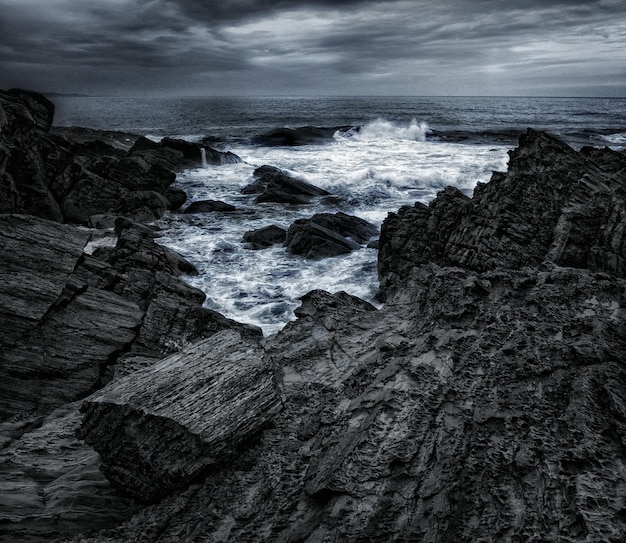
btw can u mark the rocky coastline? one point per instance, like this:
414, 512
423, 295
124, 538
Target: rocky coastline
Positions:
484, 401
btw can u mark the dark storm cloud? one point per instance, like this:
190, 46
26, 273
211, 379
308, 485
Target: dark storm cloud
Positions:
326, 46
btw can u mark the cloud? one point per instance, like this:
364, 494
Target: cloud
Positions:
322, 46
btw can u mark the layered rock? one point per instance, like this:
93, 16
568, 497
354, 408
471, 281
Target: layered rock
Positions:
275, 185
328, 234
159, 428
554, 203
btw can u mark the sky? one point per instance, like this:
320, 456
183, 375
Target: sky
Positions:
315, 47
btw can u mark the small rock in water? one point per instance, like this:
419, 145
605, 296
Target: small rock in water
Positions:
209, 206
264, 237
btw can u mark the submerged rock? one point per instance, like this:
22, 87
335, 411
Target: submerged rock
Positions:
328, 234
275, 185
158, 429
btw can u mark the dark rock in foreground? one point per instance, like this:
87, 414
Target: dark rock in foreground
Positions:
328, 234
263, 238
274, 185
158, 429
209, 206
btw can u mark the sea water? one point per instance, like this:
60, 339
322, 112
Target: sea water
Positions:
400, 150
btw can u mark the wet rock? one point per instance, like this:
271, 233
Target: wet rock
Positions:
327, 234
554, 204
160, 428
304, 135
275, 185
209, 206
263, 238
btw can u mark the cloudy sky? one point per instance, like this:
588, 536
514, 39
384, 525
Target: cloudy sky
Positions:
315, 47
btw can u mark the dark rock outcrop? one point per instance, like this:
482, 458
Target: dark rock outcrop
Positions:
159, 428
553, 204
304, 135
275, 185
74, 175
262, 238
209, 206
328, 234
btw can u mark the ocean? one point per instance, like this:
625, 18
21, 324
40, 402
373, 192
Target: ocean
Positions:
391, 151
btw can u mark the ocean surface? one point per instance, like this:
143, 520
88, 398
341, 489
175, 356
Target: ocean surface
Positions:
391, 151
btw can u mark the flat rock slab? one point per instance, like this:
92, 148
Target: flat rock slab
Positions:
160, 428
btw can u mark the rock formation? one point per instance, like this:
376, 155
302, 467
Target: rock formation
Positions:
484, 401
209, 206
265, 237
160, 428
328, 234
275, 185
304, 135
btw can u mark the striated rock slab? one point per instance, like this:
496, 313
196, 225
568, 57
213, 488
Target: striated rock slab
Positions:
58, 334
160, 428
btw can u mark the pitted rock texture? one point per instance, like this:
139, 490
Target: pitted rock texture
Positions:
159, 428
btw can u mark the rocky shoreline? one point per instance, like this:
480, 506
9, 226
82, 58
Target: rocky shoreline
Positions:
485, 400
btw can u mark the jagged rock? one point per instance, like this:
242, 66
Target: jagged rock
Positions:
304, 135
275, 185
263, 238
58, 334
209, 206
160, 428
553, 204
327, 234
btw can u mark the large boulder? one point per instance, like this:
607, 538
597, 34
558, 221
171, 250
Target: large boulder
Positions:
160, 428
328, 234
275, 185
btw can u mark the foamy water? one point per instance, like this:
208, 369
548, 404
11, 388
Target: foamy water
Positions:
369, 173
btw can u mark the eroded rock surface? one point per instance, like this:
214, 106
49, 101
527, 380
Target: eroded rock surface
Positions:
159, 428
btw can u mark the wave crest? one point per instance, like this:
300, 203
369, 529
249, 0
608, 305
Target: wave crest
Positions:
384, 129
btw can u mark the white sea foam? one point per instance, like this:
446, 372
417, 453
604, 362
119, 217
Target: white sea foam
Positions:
368, 177
383, 129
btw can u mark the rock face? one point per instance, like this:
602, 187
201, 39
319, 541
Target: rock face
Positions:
274, 185
554, 204
328, 234
159, 428
73, 175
